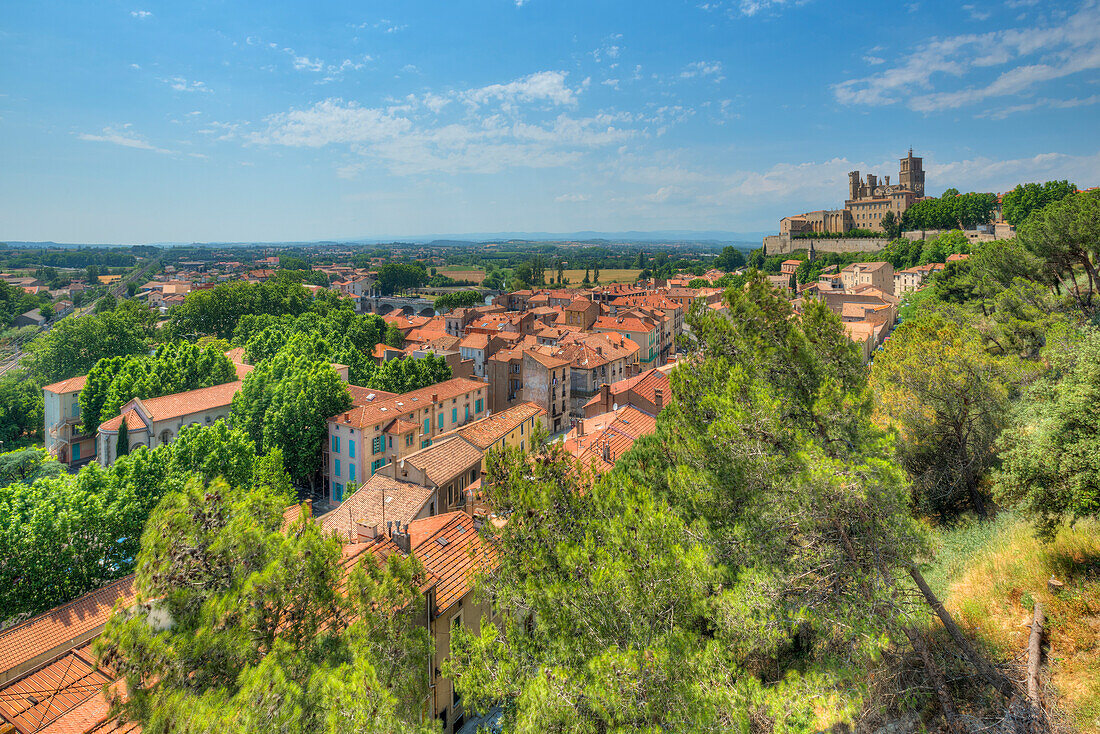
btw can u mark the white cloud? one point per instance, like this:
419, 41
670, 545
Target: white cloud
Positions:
410, 137
122, 136
571, 198
180, 84
548, 86
874, 60
1043, 103
977, 13
331, 121
141, 14
307, 64
703, 69
1040, 54
135, 67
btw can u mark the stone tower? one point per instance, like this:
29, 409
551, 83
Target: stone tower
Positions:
912, 174
853, 184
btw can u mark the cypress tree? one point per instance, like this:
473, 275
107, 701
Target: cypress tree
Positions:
123, 443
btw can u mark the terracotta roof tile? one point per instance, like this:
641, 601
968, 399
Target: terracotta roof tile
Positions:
487, 431
363, 415
444, 460
402, 501
181, 404
57, 628
453, 553
73, 384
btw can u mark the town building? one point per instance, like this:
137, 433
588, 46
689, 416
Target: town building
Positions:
67, 439
381, 428
868, 202
877, 274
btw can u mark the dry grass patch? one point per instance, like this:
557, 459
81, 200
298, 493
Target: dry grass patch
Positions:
994, 596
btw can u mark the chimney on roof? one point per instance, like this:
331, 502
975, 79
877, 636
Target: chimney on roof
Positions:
435, 397
607, 451
347, 417
580, 427
659, 398
605, 395
366, 532
389, 528
599, 350
402, 539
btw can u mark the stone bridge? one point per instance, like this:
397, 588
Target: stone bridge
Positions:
383, 305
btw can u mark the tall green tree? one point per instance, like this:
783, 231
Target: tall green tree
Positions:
74, 345
122, 442
1051, 451
1065, 237
264, 637
1018, 204
948, 398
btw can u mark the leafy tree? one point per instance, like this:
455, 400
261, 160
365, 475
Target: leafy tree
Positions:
74, 345
217, 311
400, 277
291, 262
524, 275
457, 299
729, 259
107, 303
410, 373
28, 465
263, 637
1051, 452
1065, 237
890, 225
65, 535
21, 408
285, 403
703, 581
394, 338
1018, 204
948, 398
172, 369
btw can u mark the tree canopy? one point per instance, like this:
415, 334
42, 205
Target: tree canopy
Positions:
264, 637
1018, 204
1051, 466
172, 368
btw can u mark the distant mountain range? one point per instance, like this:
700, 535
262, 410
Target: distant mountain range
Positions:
661, 236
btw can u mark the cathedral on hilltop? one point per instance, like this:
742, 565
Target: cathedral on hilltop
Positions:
868, 201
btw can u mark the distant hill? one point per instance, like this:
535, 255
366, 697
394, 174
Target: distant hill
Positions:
746, 239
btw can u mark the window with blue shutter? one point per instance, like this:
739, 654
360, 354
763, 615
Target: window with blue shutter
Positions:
467, 411
337, 467
478, 406
454, 416
351, 472
427, 426
441, 421
351, 449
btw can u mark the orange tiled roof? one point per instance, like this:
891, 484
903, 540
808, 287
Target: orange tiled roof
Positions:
453, 553
402, 501
442, 461
487, 431
181, 404
58, 627
73, 384
622, 323
362, 415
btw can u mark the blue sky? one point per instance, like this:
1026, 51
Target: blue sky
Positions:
143, 121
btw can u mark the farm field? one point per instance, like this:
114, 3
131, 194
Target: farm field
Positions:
474, 275
611, 275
